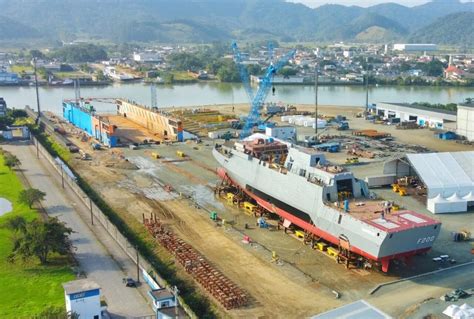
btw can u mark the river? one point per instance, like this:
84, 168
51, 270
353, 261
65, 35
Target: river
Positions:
223, 93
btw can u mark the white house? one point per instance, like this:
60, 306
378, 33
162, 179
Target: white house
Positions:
83, 298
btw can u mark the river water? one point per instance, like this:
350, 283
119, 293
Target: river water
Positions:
223, 93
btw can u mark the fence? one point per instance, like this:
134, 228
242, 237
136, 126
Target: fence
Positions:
96, 215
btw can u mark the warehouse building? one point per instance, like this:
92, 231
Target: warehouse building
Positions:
423, 116
465, 121
448, 178
414, 47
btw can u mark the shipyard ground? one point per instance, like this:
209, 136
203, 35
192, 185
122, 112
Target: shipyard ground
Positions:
301, 284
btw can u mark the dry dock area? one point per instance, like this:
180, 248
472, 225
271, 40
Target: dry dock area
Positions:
176, 183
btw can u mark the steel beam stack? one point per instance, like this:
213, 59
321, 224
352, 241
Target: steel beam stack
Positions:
226, 292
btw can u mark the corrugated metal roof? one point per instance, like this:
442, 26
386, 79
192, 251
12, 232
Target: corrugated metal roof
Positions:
355, 310
445, 173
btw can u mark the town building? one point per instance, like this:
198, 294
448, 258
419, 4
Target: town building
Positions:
453, 73
3, 107
8, 78
83, 298
422, 115
465, 121
413, 47
147, 57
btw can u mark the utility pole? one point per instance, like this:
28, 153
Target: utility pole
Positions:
37, 93
367, 86
176, 301
316, 78
138, 264
62, 175
154, 101
92, 215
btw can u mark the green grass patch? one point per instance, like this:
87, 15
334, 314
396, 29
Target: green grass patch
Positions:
18, 68
65, 75
21, 121
60, 150
26, 288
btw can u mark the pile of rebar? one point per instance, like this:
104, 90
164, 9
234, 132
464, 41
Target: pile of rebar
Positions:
222, 288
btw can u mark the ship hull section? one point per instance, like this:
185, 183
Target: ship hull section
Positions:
303, 205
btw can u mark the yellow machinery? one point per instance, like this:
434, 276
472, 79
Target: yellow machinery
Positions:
352, 160
299, 234
396, 188
155, 155
249, 208
402, 191
332, 252
321, 246
180, 154
230, 198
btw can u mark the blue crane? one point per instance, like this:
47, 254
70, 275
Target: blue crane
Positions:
257, 100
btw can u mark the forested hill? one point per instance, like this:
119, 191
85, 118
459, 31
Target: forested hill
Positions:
456, 28
209, 20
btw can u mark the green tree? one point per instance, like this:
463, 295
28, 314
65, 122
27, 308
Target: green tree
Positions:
287, 71
81, 53
36, 54
187, 61
11, 160
30, 196
40, 238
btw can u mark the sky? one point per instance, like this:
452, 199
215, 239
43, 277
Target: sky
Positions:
360, 3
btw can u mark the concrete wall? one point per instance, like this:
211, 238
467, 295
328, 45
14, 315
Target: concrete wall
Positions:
465, 123
157, 123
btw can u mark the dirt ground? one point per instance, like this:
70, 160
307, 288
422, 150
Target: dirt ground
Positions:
303, 285
265, 283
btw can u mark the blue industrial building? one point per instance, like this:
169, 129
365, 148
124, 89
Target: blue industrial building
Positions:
84, 118
7, 78
79, 116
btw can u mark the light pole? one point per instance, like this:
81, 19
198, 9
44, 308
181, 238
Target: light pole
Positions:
316, 78
37, 93
367, 86
138, 264
62, 171
92, 215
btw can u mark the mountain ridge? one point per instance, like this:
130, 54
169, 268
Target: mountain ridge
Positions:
216, 20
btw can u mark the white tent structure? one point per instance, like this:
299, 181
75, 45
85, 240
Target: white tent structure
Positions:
459, 312
449, 178
438, 204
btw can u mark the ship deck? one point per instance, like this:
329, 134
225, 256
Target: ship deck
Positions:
370, 211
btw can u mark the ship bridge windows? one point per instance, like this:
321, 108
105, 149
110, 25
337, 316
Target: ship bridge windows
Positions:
344, 185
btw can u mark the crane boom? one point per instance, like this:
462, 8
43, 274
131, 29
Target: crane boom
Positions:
242, 70
253, 117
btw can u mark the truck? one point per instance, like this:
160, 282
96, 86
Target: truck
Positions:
343, 126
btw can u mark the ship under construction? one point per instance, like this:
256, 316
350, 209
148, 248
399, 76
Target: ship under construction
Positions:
304, 189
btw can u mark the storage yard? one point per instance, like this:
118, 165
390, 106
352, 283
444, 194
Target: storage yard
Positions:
169, 188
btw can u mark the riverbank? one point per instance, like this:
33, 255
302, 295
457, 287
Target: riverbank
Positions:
210, 93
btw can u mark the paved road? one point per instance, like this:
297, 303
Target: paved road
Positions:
395, 299
93, 256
